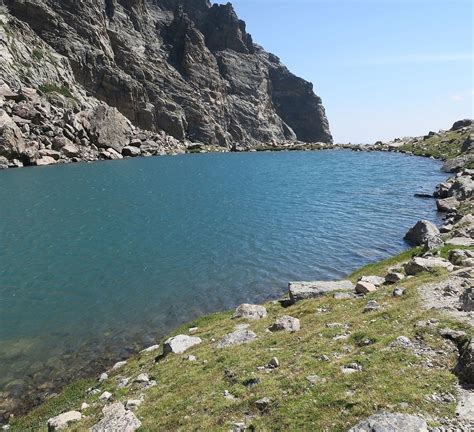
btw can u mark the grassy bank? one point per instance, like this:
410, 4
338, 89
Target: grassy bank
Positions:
189, 395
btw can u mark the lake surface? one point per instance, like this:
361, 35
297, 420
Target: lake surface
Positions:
99, 259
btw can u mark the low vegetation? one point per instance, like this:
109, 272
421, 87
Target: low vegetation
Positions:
189, 395
55, 88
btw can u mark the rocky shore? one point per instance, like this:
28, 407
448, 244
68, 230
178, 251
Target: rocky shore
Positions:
391, 347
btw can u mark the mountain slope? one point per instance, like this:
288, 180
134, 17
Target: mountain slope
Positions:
187, 68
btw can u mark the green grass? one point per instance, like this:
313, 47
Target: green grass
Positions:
445, 146
189, 395
38, 54
54, 88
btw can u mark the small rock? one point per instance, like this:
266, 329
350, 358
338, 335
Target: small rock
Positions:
191, 358
343, 295
133, 404
273, 363
398, 292
365, 288
286, 323
371, 306
105, 396
394, 277
263, 404
179, 344
193, 330
351, 368
119, 365
250, 311
84, 406
123, 382
103, 377
131, 151
62, 421
228, 395
402, 342
467, 300
374, 280
142, 379
314, 379
238, 337
150, 349
238, 427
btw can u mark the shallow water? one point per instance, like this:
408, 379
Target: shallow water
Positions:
99, 258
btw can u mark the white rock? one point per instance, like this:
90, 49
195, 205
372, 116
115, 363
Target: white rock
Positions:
150, 349
193, 330
142, 379
191, 358
179, 344
119, 365
250, 311
364, 287
105, 396
374, 280
133, 404
238, 337
417, 265
306, 290
62, 421
84, 406
286, 323
117, 419
103, 377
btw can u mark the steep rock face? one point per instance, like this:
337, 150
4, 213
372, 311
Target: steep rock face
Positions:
185, 67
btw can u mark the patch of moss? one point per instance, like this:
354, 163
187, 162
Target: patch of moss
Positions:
38, 54
52, 87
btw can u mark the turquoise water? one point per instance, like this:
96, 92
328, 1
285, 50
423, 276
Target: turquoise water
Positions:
97, 260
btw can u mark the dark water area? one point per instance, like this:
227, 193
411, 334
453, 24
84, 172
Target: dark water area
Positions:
97, 260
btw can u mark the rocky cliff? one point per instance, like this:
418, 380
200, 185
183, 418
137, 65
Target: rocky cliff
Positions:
169, 72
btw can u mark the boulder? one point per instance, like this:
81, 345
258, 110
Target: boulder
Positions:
457, 164
109, 128
3, 162
250, 311
418, 265
237, 337
422, 232
461, 124
398, 292
394, 277
286, 323
465, 366
460, 241
263, 404
70, 150
467, 300
372, 306
467, 145
391, 422
131, 151
374, 280
461, 257
441, 191
117, 418
62, 421
447, 204
45, 160
179, 344
462, 188
12, 143
306, 290
365, 288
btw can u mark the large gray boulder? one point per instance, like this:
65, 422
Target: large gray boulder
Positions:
285, 323
306, 290
62, 421
418, 265
179, 344
12, 143
391, 422
250, 311
421, 233
465, 366
461, 124
462, 188
238, 337
117, 419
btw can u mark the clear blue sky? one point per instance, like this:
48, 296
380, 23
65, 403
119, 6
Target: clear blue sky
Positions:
384, 68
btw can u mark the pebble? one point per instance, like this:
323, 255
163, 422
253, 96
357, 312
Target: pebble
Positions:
103, 377
105, 396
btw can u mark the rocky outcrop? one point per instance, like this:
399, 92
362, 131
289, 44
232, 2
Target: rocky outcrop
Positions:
423, 233
305, 290
186, 69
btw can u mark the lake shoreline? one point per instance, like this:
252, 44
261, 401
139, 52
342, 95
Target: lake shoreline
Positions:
97, 370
